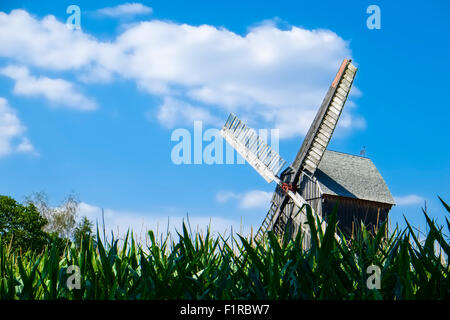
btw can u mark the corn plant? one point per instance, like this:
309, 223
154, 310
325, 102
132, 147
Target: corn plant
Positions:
200, 266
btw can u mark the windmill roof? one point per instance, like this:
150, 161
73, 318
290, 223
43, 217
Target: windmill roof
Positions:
346, 175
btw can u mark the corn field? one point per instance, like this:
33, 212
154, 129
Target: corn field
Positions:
200, 266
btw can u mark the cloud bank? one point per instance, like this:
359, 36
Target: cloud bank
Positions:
270, 77
12, 131
58, 91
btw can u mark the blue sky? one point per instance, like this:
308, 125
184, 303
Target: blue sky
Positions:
92, 111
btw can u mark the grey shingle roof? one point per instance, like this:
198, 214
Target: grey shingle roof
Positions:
351, 176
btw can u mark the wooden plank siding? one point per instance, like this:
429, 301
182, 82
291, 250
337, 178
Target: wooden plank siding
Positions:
291, 220
309, 189
351, 212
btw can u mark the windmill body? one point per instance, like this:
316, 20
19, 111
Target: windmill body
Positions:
317, 177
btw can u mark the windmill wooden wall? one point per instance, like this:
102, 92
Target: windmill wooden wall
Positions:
309, 189
351, 212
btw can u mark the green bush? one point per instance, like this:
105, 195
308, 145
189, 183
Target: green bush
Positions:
21, 226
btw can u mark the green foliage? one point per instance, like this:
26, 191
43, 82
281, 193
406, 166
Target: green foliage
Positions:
82, 229
208, 267
21, 226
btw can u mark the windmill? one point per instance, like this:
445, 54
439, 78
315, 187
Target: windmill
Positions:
307, 181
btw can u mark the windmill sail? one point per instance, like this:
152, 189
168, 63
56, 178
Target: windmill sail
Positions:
312, 149
322, 128
258, 154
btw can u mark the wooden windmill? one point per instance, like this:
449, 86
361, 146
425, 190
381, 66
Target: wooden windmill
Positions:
317, 177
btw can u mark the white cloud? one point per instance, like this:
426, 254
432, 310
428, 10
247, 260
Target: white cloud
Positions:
12, 131
58, 91
140, 222
96, 74
248, 200
127, 9
175, 112
348, 121
25, 146
256, 199
275, 78
46, 43
408, 200
225, 196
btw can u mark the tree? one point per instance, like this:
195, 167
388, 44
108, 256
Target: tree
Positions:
21, 226
61, 219
83, 228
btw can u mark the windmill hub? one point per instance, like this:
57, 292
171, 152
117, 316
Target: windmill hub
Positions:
287, 187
